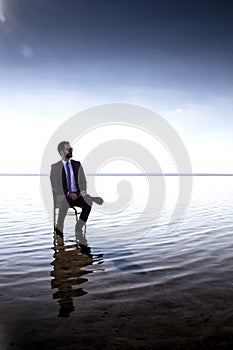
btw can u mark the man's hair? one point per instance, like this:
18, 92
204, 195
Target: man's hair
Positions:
61, 146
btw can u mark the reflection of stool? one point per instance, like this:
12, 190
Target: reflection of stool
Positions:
56, 211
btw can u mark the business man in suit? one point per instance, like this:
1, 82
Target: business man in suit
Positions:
69, 186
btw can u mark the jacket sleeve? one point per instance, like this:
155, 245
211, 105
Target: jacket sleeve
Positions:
82, 179
56, 179
53, 178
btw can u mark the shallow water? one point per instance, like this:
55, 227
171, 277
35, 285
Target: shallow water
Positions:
183, 274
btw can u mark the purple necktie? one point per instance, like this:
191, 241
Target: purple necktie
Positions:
68, 176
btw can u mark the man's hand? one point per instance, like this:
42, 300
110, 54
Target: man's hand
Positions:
73, 196
83, 193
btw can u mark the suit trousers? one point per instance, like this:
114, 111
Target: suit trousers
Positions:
83, 202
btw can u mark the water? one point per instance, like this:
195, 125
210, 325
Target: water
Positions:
157, 289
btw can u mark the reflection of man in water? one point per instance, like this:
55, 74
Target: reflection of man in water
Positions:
68, 273
69, 187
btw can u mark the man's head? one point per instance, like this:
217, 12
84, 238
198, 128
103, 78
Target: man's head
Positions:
65, 150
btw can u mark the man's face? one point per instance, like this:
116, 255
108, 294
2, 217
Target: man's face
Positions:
67, 151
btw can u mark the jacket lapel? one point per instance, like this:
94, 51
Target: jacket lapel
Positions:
75, 171
64, 181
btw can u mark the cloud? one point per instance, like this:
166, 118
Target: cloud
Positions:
2, 17
26, 51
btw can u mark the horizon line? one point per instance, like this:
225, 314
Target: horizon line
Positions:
127, 174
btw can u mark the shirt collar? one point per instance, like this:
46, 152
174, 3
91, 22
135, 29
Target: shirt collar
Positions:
64, 161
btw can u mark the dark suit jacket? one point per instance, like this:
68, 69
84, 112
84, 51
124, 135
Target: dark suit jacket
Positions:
59, 182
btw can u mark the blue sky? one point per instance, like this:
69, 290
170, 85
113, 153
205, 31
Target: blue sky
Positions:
59, 57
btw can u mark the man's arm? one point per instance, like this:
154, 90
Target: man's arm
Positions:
56, 179
82, 181
53, 184
52, 178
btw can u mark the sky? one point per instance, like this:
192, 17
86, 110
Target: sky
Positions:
58, 58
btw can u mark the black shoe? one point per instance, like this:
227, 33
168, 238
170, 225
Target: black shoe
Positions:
97, 200
85, 250
58, 232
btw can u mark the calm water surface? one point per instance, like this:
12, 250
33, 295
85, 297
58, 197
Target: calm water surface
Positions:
41, 278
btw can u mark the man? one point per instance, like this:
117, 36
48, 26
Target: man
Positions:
69, 187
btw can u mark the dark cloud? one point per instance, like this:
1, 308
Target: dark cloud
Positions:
170, 42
